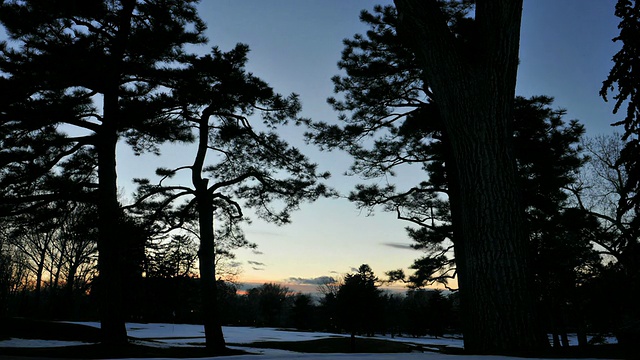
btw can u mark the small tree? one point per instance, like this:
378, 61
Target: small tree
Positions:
358, 302
269, 302
302, 312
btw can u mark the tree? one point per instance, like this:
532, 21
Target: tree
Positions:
358, 301
173, 257
33, 235
394, 90
302, 312
414, 309
547, 151
564, 260
64, 59
603, 195
235, 161
473, 82
59, 241
624, 74
623, 78
269, 302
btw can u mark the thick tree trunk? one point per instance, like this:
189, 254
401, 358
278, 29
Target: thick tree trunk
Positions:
474, 87
456, 220
111, 246
110, 243
498, 303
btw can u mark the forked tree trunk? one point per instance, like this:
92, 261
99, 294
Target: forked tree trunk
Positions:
474, 87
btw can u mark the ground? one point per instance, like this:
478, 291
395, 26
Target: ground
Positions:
43, 339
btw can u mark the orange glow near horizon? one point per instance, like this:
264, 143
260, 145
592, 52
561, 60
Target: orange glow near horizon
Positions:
314, 288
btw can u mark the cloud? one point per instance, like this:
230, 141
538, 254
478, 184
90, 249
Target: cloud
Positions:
398, 245
235, 264
256, 263
312, 281
333, 272
257, 269
257, 252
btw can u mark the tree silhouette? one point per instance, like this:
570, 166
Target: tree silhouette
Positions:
268, 302
65, 59
234, 161
358, 301
599, 194
623, 78
624, 74
473, 82
390, 94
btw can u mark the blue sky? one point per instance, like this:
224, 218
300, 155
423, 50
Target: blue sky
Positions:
566, 52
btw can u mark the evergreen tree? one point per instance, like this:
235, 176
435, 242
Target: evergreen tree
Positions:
358, 301
473, 82
302, 312
623, 78
238, 160
99, 68
414, 308
387, 96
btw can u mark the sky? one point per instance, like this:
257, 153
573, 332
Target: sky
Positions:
566, 52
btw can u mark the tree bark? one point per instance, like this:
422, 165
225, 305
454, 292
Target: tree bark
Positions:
110, 243
206, 255
456, 220
214, 337
474, 88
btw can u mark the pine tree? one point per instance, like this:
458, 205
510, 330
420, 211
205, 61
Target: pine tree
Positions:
358, 301
390, 92
624, 73
99, 68
240, 160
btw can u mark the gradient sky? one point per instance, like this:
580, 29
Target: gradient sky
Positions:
566, 52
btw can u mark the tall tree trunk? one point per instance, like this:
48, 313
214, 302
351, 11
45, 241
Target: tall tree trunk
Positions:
206, 255
474, 87
498, 305
110, 243
456, 221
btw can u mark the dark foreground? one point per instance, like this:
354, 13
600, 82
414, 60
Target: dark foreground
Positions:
30, 329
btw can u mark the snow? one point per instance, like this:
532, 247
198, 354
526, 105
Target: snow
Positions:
188, 335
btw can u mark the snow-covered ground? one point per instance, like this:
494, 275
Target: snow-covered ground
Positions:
187, 335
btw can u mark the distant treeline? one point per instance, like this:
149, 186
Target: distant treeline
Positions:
354, 305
